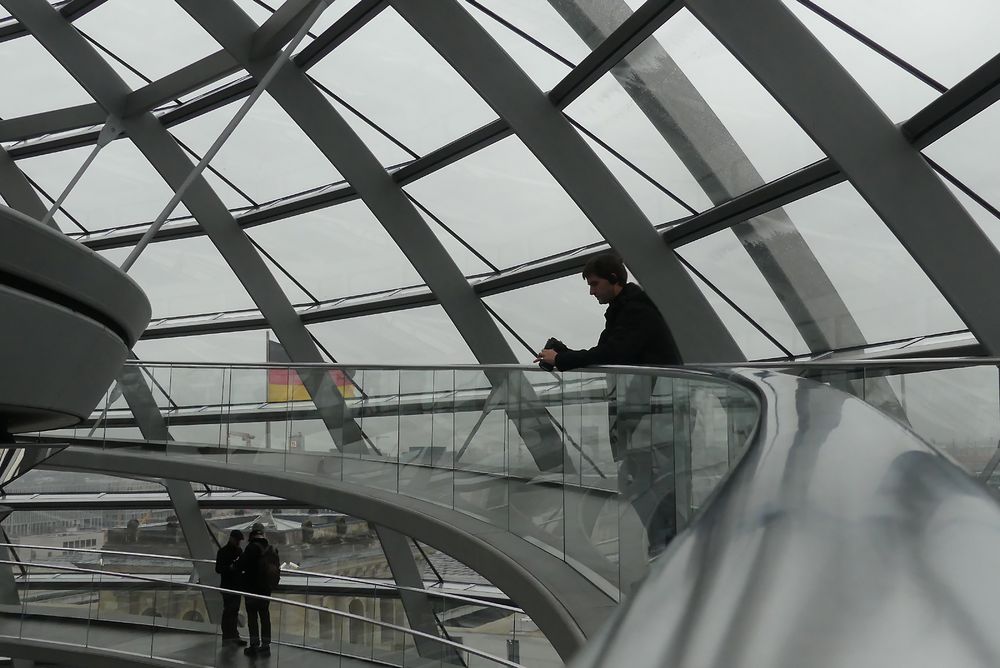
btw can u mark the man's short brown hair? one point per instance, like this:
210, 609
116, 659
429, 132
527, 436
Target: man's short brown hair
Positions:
608, 266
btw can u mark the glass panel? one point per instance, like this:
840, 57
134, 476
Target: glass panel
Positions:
898, 92
155, 37
52, 482
875, 276
40, 82
391, 75
337, 251
969, 153
416, 336
683, 62
946, 41
723, 260
268, 156
119, 188
562, 308
872, 272
541, 22
250, 346
174, 275
956, 410
658, 202
752, 342
387, 152
505, 204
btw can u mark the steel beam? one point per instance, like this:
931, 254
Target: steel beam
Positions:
49, 122
688, 124
880, 163
456, 35
334, 137
162, 151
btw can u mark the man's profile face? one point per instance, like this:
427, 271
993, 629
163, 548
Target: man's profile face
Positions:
601, 288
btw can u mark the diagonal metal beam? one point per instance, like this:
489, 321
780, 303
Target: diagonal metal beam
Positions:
690, 126
189, 78
321, 122
48, 122
882, 165
456, 35
162, 151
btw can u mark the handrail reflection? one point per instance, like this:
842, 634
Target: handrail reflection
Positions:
286, 571
283, 601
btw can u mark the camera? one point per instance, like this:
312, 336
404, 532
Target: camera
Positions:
556, 345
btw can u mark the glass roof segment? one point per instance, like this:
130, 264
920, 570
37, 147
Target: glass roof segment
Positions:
119, 188
770, 138
562, 308
970, 152
656, 201
885, 290
338, 251
417, 336
227, 347
392, 76
387, 149
536, 21
268, 156
505, 204
896, 91
754, 344
184, 276
33, 81
945, 40
607, 111
470, 260
723, 260
155, 36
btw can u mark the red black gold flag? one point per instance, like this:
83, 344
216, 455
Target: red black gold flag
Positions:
286, 385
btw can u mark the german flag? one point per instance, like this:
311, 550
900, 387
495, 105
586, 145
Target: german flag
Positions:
285, 384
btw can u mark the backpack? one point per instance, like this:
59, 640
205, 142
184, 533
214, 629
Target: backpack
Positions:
270, 567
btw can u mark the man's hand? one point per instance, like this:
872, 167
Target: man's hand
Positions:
547, 356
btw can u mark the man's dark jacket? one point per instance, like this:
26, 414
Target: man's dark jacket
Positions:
249, 566
635, 333
225, 559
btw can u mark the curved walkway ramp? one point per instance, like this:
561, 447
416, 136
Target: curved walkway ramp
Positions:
447, 461
840, 539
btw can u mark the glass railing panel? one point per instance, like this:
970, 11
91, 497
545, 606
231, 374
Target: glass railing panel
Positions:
480, 424
46, 601
957, 410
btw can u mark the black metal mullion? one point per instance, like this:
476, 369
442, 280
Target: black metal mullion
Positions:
510, 329
457, 238
52, 201
520, 33
954, 180
874, 46
282, 269
736, 308
367, 121
635, 168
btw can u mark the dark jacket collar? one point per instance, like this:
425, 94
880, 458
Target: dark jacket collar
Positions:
628, 293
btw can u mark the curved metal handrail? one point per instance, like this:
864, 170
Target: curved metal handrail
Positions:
283, 601
286, 571
840, 539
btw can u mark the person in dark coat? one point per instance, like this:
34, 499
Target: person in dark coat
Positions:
253, 582
225, 566
635, 333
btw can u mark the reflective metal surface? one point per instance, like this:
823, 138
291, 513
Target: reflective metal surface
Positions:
840, 539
